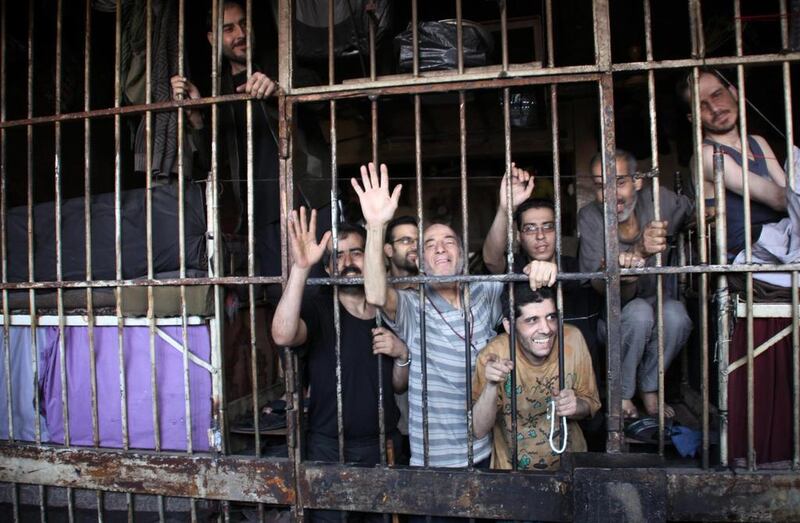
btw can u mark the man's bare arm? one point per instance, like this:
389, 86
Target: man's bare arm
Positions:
494, 246
378, 207
762, 190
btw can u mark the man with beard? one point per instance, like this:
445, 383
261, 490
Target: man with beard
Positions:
233, 141
719, 117
534, 219
445, 333
535, 321
640, 238
310, 322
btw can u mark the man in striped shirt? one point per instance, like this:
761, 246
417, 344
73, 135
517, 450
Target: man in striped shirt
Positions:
455, 316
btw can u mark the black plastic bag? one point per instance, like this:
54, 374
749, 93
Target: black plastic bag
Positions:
438, 46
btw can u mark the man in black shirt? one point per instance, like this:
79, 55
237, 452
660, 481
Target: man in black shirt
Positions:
311, 323
233, 142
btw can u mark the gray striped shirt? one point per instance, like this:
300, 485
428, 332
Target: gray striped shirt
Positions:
446, 369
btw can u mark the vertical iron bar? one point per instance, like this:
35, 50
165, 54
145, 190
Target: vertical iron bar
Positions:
698, 50
504, 33
421, 260
559, 245
459, 37
30, 237
748, 253
651, 96
375, 161
512, 335
549, 25
4, 238
723, 311
331, 44
790, 172
466, 302
415, 39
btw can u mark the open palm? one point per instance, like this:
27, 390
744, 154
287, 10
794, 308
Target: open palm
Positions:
377, 205
303, 239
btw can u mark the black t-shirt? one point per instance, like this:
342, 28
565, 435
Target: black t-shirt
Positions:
359, 373
266, 201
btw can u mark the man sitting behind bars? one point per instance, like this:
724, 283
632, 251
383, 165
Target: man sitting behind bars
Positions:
640, 238
719, 117
535, 324
297, 322
445, 333
534, 219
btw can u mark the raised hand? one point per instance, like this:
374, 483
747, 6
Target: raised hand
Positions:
303, 239
521, 187
377, 205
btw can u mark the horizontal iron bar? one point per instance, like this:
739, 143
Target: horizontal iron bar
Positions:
759, 59
245, 280
691, 494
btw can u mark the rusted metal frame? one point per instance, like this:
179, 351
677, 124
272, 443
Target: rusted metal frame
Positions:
602, 35
216, 265
4, 248
790, 172
548, 10
415, 39
182, 254
375, 161
748, 248
723, 310
87, 217
459, 37
423, 345
466, 294
698, 52
651, 96
503, 35
294, 393
31, 266
331, 44
512, 335
62, 346
559, 246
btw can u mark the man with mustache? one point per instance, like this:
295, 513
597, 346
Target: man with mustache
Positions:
719, 117
446, 335
535, 323
640, 238
310, 323
233, 141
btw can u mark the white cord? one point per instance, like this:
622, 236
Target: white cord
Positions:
553, 426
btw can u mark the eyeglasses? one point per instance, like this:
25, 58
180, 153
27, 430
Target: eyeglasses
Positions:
405, 240
544, 228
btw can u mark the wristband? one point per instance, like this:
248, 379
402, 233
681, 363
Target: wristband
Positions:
406, 363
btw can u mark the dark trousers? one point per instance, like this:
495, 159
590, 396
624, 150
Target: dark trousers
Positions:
363, 452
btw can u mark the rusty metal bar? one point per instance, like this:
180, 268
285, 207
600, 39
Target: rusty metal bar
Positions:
503, 4
331, 44
651, 95
466, 298
415, 39
459, 37
723, 310
335, 271
559, 247
548, 12
3, 231
512, 335
748, 253
421, 289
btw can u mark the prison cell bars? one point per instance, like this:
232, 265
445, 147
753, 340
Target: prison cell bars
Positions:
792, 185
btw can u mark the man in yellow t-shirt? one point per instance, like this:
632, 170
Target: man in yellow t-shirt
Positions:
536, 328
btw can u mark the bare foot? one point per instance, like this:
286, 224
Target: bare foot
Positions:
650, 400
629, 409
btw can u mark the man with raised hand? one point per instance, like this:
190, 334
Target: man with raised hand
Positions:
298, 322
445, 333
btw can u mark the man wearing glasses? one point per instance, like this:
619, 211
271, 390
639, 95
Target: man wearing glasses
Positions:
640, 238
534, 219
